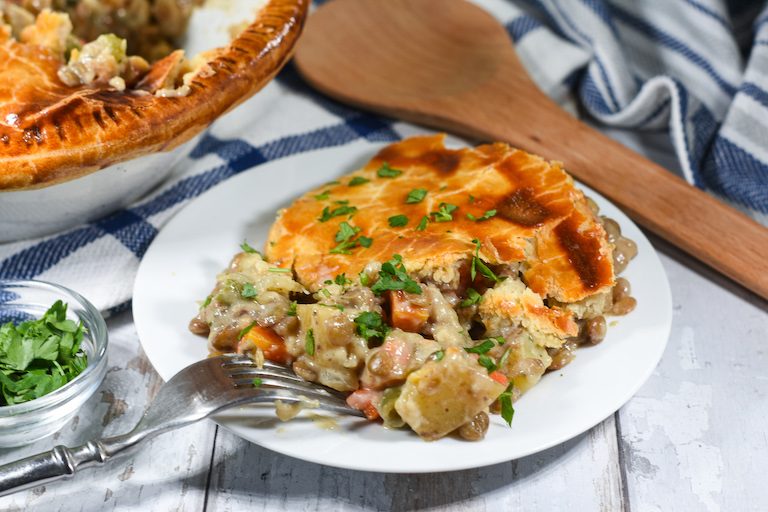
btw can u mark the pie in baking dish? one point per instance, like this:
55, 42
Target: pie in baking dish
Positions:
74, 98
434, 285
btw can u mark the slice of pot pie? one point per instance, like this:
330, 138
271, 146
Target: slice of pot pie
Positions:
434, 285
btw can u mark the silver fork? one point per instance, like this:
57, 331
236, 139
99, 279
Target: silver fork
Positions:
196, 392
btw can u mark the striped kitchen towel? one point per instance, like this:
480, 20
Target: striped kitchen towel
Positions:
697, 69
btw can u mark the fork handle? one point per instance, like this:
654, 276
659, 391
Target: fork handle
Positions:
61, 462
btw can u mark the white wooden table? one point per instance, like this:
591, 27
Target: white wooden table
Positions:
693, 438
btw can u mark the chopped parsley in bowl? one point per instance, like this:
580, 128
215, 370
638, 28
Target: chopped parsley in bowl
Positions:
52, 358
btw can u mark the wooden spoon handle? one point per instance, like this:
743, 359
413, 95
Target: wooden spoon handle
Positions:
655, 198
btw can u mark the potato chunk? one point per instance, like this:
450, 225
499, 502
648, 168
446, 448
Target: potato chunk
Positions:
526, 362
444, 395
337, 353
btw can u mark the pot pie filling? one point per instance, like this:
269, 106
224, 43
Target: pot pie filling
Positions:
88, 41
434, 285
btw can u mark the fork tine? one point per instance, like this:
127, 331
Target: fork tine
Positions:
276, 389
243, 369
243, 372
276, 380
279, 382
271, 390
238, 361
325, 404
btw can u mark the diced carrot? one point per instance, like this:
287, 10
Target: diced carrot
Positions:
363, 399
499, 377
371, 412
406, 315
268, 341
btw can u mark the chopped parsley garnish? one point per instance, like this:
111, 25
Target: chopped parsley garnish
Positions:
482, 348
247, 329
439, 354
278, 269
504, 357
486, 360
324, 292
363, 278
328, 214
309, 345
479, 266
387, 172
444, 213
488, 215
325, 195
483, 269
371, 325
477, 255
335, 306
248, 291
423, 224
333, 183
344, 237
394, 277
471, 198
416, 195
40, 356
505, 399
398, 221
344, 201
256, 382
473, 297
247, 248
358, 180
292, 309
345, 232
207, 301
342, 279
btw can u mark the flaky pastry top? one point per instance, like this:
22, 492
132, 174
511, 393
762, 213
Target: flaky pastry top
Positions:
520, 210
51, 133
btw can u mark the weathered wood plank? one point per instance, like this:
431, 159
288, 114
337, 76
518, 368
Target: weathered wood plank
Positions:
695, 433
581, 472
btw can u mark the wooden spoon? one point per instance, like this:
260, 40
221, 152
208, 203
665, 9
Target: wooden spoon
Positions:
451, 66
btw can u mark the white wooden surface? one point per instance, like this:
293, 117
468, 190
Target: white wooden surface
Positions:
693, 438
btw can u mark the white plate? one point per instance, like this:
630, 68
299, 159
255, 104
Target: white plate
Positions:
178, 270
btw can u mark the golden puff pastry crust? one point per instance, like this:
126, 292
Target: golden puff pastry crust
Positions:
51, 133
509, 208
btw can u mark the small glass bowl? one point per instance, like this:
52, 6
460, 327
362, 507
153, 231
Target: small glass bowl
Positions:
27, 422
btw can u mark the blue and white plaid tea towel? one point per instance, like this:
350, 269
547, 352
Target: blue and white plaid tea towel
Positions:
695, 69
